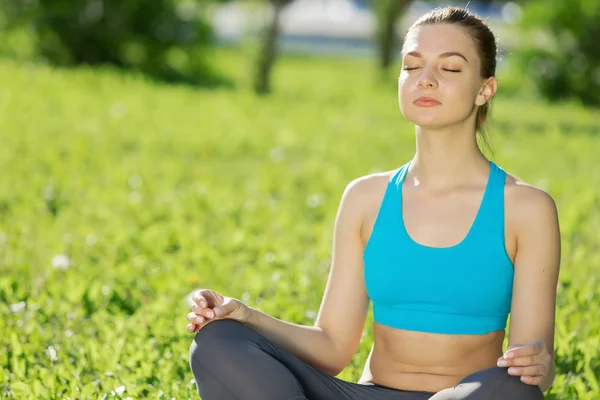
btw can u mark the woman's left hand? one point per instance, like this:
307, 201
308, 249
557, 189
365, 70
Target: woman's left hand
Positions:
531, 362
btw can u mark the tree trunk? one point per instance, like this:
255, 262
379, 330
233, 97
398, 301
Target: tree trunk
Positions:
389, 13
268, 51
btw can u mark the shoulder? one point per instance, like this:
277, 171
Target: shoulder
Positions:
365, 191
364, 184
368, 186
527, 204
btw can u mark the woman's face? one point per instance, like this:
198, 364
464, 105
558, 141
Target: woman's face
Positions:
440, 61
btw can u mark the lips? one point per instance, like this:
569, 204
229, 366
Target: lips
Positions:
426, 101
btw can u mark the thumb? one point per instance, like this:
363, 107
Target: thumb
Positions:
225, 308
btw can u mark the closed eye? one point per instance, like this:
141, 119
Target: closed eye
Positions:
445, 69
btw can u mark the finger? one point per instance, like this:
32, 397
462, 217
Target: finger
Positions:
225, 309
531, 370
199, 300
191, 328
196, 318
542, 358
528, 349
519, 362
206, 312
532, 380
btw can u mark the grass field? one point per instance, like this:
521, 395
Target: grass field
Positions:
119, 196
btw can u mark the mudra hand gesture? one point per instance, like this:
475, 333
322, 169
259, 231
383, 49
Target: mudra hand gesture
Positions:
208, 305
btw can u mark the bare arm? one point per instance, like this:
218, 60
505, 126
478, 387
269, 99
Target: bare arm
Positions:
331, 342
536, 272
308, 343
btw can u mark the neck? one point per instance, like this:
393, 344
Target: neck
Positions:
447, 157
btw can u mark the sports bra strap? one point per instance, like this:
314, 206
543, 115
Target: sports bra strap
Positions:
491, 214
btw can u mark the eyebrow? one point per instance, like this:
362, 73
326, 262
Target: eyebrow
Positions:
443, 55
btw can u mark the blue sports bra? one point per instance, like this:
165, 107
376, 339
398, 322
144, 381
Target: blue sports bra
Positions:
463, 289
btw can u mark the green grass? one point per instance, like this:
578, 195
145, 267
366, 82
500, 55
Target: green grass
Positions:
153, 190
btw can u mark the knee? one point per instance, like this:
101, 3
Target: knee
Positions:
495, 383
512, 387
219, 332
214, 341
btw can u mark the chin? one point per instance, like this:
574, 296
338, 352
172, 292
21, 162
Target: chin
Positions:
433, 117
426, 121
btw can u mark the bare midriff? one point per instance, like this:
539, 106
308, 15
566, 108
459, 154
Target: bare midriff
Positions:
428, 362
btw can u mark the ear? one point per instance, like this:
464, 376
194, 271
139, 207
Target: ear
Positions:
487, 91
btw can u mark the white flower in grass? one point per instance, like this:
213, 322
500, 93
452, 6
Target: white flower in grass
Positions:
51, 351
91, 240
17, 307
61, 261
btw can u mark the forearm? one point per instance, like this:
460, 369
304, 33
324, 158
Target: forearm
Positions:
309, 343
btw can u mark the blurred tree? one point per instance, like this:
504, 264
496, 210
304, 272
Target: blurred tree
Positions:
388, 12
569, 64
268, 38
268, 49
167, 40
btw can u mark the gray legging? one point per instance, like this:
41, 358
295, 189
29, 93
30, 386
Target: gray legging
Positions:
231, 361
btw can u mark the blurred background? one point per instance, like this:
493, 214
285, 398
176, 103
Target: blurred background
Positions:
151, 148
552, 42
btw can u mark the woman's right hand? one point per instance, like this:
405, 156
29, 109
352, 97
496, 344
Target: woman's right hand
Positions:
208, 305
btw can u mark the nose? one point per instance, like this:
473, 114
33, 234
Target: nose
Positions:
426, 79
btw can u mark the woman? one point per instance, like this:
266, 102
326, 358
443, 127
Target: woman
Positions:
445, 246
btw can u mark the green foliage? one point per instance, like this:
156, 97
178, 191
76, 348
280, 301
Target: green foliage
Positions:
167, 40
119, 196
568, 64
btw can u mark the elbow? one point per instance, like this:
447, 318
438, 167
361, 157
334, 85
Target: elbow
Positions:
336, 359
335, 371
338, 367
332, 366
